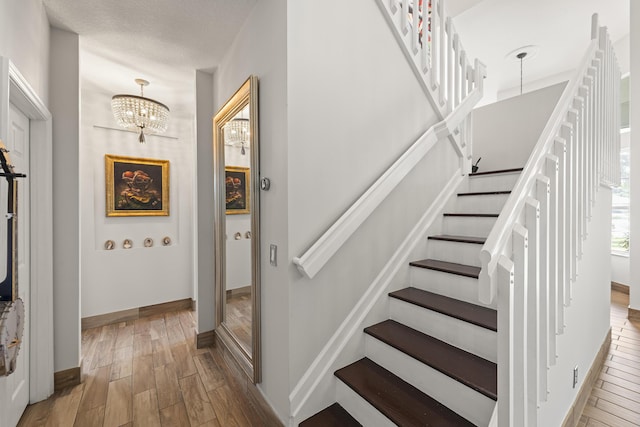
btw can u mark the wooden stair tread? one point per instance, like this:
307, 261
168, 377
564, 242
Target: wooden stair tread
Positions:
484, 193
398, 400
471, 313
467, 368
332, 416
481, 215
460, 239
448, 267
497, 171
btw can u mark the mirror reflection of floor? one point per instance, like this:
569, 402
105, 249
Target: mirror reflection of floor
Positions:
239, 318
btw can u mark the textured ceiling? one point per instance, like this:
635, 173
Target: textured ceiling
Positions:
162, 41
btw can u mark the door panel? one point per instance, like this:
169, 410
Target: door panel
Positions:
14, 389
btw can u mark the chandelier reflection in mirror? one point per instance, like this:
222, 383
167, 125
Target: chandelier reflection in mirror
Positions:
139, 113
236, 133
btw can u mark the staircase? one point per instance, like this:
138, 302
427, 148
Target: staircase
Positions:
433, 361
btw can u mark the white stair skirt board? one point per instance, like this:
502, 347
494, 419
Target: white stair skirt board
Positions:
359, 408
487, 203
498, 182
461, 253
456, 396
464, 335
468, 226
447, 284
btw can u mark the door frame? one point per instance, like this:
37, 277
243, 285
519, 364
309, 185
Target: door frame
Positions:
15, 89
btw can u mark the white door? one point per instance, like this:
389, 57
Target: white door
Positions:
14, 389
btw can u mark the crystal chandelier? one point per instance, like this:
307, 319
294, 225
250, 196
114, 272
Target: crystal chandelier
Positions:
236, 133
140, 113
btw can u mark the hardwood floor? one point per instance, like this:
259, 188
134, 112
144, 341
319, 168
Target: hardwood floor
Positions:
147, 373
239, 319
615, 398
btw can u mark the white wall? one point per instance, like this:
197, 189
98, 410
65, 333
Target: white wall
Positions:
260, 49
65, 109
119, 279
354, 107
634, 117
586, 319
24, 39
520, 121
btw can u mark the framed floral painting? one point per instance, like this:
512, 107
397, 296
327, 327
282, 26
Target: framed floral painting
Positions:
236, 181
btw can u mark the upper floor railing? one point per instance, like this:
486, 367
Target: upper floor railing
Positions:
530, 258
453, 86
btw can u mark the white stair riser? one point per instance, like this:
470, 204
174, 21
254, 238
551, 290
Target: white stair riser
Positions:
359, 408
456, 396
461, 253
468, 226
464, 335
500, 182
450, 285
488, 203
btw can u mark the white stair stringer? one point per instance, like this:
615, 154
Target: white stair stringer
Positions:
458, 252
456, 396
459, 333
450, 285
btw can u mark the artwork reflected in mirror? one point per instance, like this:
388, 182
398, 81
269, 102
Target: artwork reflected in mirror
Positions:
237, 228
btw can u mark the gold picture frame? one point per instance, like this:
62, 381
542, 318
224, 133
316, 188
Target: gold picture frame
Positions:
237, 188
136, 186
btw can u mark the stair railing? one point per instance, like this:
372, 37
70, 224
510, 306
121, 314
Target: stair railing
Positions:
453, 86
530, 257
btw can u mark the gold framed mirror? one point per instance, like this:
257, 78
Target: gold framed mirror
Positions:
237, 227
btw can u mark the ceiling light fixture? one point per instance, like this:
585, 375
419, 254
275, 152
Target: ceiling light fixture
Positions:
236, 132
139, 113
520, 55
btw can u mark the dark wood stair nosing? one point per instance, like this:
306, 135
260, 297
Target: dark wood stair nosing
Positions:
495, 172
448, 267
444, 358
485, 193
479, 215
396, 399
480, 316
458, 239
332, 416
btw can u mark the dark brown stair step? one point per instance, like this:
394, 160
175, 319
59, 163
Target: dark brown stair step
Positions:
332, 416
471, 313
398, 400
459, 239
484, 193
479, 215
473, 371
448, 267
496, 172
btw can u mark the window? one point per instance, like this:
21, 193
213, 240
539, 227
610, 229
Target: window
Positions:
620, 203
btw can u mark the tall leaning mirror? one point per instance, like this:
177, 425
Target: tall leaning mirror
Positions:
237, 232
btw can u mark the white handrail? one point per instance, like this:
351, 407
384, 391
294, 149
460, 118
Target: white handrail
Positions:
530, 258
453, 88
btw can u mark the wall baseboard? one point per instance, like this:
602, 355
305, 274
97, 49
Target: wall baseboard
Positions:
573, 417
67, 378
633, 314
206, 339
136, 313
620, 287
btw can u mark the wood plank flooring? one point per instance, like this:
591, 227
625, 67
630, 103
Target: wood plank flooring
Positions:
615, 398
148, 372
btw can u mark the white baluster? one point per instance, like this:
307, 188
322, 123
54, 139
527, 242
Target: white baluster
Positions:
442, 52
458, 68
520, 258
450, 65
506, 334
536, 341
402, 19
393, 6
578, 106
590, 80
426, 49
559, 149
566, 132
465, 75
573, 118
435, 44
551, 171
